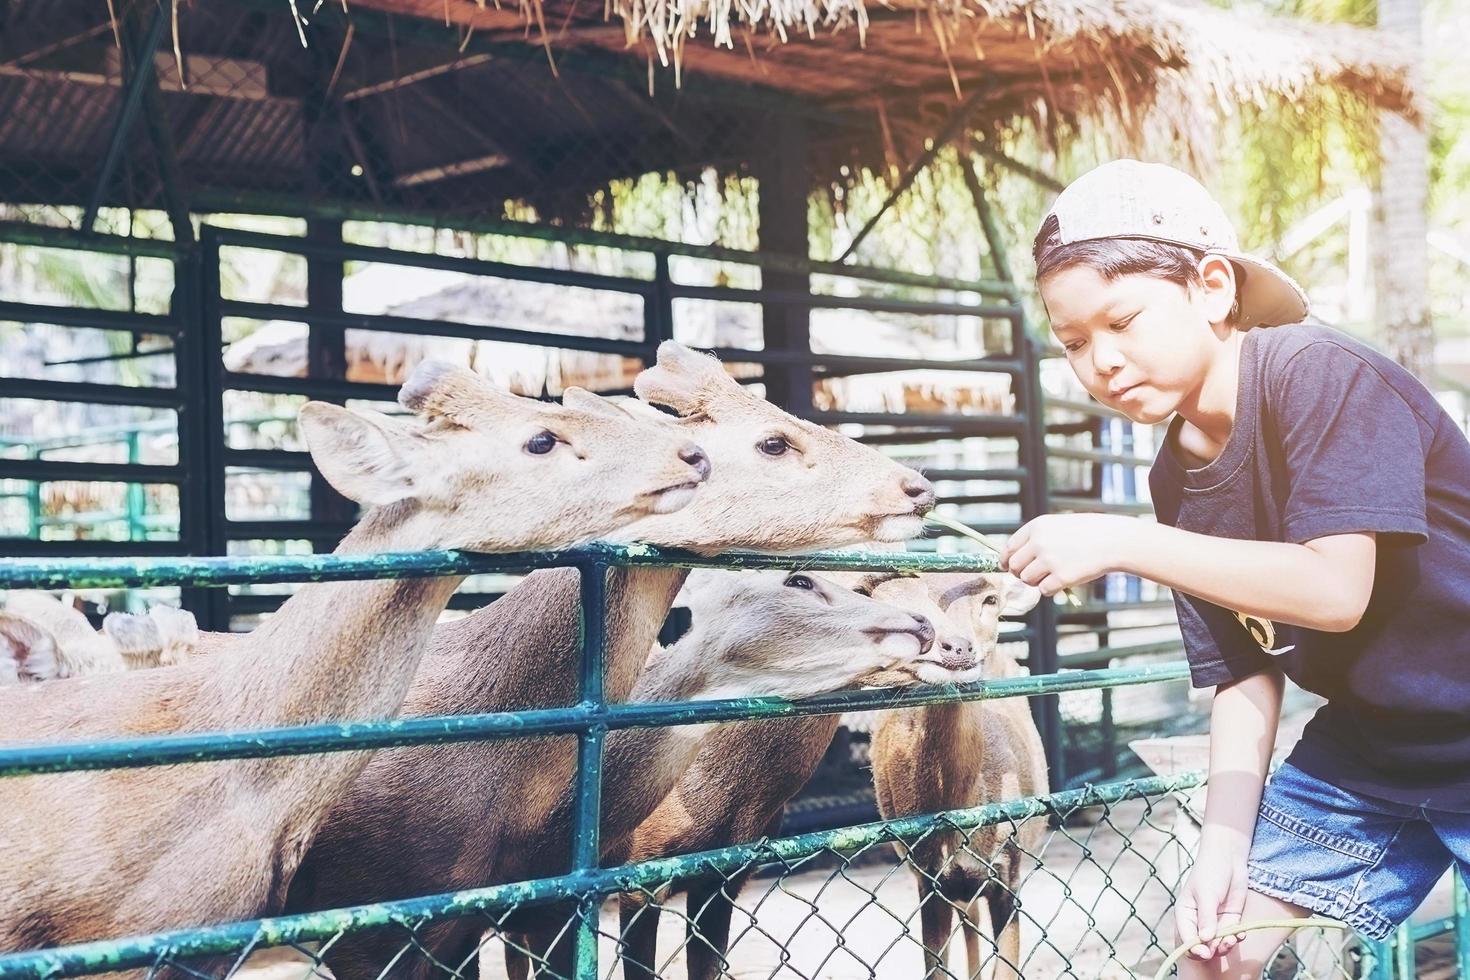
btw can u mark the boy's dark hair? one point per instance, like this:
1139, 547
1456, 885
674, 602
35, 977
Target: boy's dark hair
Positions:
1113, 258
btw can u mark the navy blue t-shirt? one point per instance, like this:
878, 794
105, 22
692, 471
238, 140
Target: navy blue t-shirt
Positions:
1331, 437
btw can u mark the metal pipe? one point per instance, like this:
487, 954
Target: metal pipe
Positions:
351, 736
141, 75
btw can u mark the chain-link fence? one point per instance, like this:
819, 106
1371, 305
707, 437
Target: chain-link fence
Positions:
1078, 883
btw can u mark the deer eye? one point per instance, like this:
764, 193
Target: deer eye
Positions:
992, 600
541, 443
800, 582
864, 590
775, 445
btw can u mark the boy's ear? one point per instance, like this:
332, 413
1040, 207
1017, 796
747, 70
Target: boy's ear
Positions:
1219, 277
364, 456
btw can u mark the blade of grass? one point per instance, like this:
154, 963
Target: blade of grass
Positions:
988, 542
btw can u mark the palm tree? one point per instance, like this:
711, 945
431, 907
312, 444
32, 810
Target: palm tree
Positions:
1401, 281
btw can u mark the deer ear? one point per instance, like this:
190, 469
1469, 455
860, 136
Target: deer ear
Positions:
364, 456
136, 637
1018, 597
683, 380
27, 651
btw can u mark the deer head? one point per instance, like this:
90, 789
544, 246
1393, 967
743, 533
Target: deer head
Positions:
965, 609
780, 483
795, 634
482, 469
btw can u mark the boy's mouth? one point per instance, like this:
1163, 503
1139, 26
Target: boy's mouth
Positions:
1119, 392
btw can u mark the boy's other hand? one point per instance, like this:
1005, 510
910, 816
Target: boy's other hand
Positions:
1057, 551
1212, 901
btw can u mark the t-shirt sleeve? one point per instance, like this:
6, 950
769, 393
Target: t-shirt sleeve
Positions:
1353, 448
1219, 647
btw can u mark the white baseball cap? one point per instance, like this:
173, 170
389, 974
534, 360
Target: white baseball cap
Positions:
1129, 199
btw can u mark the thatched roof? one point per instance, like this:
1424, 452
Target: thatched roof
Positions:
913, 61
546, 102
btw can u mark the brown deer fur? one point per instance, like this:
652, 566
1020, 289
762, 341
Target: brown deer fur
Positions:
481, 813
949, 756
735, 791
99, 854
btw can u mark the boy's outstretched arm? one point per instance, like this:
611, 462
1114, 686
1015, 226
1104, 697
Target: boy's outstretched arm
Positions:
1323, 584
1242, 732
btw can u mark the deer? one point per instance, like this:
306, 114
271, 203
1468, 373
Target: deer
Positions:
963, 754
492, 812
43, 638
736, 790
475, 469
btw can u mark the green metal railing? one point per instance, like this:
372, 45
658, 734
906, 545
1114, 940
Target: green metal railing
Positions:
586, 884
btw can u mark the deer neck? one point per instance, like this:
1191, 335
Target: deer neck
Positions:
349, 649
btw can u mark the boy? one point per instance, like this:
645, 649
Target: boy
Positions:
1313, 505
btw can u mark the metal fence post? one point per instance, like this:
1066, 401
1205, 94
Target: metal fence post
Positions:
1043, 658
586, 839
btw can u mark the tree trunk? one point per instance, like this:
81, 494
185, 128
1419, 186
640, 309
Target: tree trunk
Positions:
1401, 280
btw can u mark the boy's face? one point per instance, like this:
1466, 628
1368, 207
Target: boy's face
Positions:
1139, 344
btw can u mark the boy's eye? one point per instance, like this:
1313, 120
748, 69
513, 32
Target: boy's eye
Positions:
1122, 324
1074, 346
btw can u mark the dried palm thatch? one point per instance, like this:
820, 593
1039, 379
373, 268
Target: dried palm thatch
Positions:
1144, 67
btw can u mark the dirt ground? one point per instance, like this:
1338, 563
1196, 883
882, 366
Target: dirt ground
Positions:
1096, 908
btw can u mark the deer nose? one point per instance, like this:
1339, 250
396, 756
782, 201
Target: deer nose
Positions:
925, 633
696, 458
921, 491
958, 652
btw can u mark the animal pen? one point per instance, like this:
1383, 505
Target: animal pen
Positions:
381, 143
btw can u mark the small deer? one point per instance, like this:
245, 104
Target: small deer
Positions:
735, 790
491, 812
963, 754
477, 469
44, 638
793, 634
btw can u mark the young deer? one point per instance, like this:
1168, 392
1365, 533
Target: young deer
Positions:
734, 791
479, 470
792, 634
948, 756
490, 812
43, 638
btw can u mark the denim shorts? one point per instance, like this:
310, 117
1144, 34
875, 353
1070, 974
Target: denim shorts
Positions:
1364, 861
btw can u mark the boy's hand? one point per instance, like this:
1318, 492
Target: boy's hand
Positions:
1057, 551
1212, 901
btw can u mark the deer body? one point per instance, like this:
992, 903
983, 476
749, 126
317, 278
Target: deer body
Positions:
222, 840
492, 812
949, 756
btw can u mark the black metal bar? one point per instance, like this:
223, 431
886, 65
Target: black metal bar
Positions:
33, 548
268, 459
658, 308
824, 301
1097, 456
42, 236
970, 424
785, 296
207, 404
310, 387
283, 529
850, 364
294, 205
56, 469
135, 355
1013, 474
95, 394
431, 328
72, 316
349, 252
127, 112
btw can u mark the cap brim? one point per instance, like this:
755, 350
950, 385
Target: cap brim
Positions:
1268, 297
